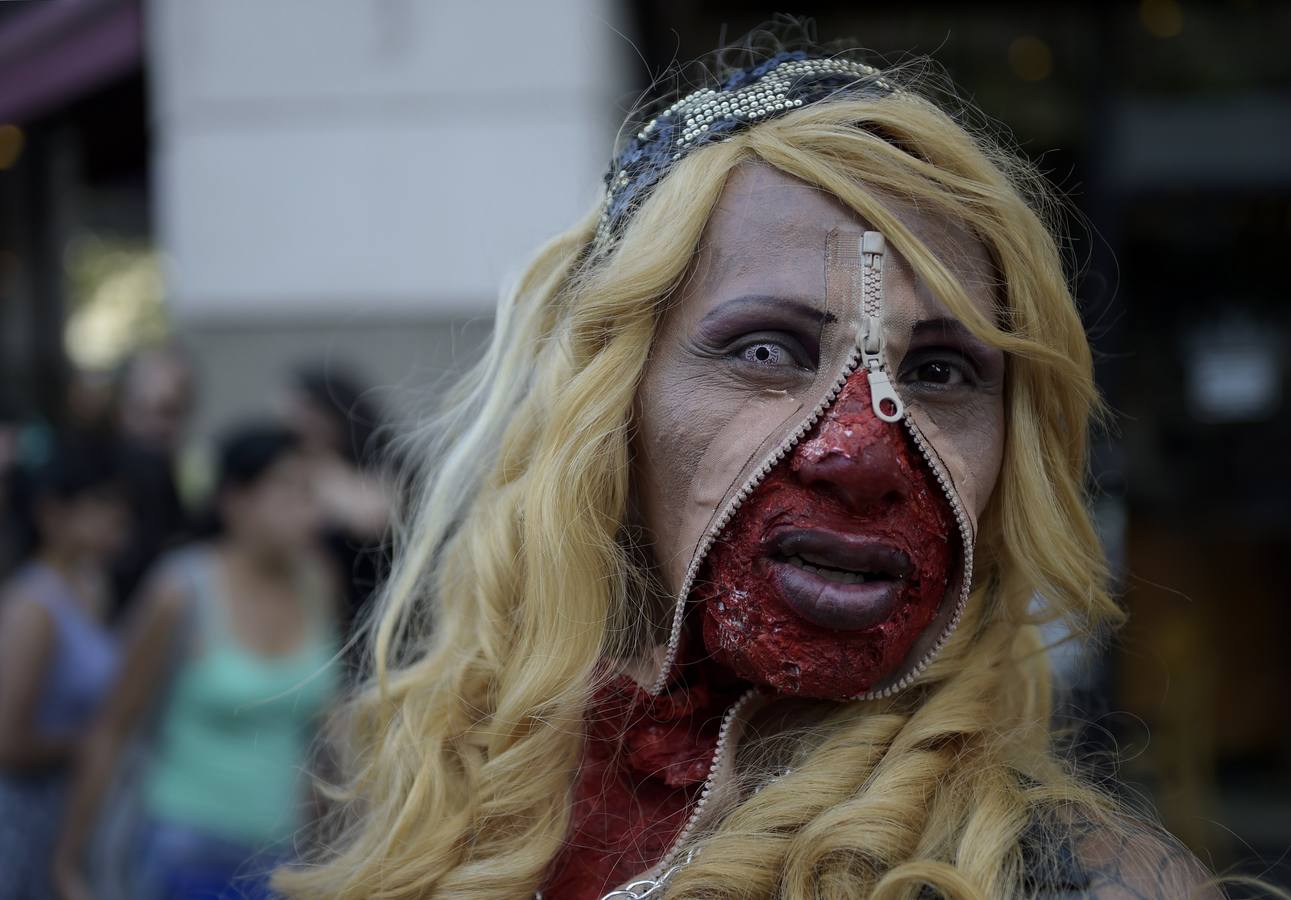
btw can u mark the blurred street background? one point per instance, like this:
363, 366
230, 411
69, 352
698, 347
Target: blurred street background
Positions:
303, 211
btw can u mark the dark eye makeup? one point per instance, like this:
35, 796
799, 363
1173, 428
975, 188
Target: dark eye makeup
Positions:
945, 356
773, 336
939, 368
766, 333
772, 350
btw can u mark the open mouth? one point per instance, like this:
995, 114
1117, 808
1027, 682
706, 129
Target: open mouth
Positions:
841, 557
841, 576
843, 582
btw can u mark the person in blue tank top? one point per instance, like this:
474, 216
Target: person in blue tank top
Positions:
57, 657
230, 667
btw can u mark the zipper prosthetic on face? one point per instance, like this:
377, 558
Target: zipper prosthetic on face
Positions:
814, 524
831, 567
835, 563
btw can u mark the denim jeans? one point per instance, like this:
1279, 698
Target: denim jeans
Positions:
179, 862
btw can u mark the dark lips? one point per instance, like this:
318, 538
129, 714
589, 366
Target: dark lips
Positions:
830, 603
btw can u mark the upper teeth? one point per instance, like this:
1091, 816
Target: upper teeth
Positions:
840, 575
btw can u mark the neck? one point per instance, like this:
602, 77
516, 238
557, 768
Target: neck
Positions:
270, 565
644, 766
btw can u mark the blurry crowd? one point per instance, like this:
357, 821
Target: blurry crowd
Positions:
175, 626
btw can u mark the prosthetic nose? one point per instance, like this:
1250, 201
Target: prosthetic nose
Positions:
854, 455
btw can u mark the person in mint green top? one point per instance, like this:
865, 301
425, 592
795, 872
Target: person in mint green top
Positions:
230, 670
238, 723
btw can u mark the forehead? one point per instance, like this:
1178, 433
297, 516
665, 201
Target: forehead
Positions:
768, 232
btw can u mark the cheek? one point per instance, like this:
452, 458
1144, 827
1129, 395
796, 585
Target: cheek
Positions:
103, 526
117, 522
651, 445
671, 434
991, 456
972, 441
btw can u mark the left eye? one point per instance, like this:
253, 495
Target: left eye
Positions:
765, 353
940, 371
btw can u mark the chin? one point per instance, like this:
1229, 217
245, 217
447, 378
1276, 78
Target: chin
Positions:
804, 660
804, 630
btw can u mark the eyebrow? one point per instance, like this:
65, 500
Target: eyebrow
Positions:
754, 302
945, 326
943, 323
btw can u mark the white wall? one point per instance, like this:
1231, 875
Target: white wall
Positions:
382, 158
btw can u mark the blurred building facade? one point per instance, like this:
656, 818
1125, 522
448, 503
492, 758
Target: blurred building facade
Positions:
358, 179
73, 159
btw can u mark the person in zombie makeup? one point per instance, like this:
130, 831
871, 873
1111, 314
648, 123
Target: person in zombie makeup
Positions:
731, 538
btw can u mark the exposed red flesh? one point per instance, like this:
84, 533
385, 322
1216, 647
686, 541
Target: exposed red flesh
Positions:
646, 757
644, 764
852, 474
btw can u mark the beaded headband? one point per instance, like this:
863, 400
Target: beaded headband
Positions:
782, 83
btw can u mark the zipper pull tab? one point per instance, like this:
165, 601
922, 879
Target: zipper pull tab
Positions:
887, 405
883, 396
869, 339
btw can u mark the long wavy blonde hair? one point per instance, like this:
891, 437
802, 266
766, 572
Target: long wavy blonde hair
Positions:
515, 577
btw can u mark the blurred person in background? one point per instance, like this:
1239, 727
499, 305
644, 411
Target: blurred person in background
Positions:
89, 418
92, 403
57, 656
155, 393
228, 665
10, 449
344, 435
156, 388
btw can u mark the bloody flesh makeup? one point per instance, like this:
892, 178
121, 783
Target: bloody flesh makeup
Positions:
835, 564
818, 587
644, 765
841, 583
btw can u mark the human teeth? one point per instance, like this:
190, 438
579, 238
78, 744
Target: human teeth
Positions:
841, 576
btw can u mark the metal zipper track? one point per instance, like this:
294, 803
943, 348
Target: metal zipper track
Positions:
732, 506
966, 583
658, 876
868, 348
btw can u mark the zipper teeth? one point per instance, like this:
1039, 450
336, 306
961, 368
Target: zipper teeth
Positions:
710, 536
655, 875
719, 752
872, 287
871, 303
966, 542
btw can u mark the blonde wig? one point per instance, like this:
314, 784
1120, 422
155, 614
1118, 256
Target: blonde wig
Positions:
517, 575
